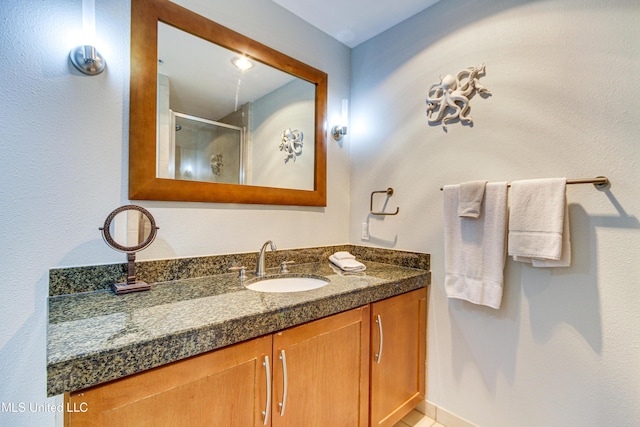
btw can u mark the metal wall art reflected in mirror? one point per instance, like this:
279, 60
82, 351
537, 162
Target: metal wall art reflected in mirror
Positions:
129, 229
202, 129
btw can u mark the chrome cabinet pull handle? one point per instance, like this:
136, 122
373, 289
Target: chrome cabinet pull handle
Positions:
379, 353
285, 380
267, 408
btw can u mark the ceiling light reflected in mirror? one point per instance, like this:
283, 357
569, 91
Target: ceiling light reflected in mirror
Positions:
242, 63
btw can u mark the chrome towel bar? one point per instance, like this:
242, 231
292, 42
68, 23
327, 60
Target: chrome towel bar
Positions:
600, 182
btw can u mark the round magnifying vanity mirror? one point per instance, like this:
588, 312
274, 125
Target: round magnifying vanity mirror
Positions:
129, 229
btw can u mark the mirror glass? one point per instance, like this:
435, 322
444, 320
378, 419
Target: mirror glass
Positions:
202, 129
129, 228
226, 119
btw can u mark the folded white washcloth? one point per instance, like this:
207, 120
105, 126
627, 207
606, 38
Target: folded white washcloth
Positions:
474, 249
537, 221
343, 255
470, 198
347, 264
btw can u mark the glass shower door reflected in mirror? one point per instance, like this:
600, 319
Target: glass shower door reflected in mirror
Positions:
204, 150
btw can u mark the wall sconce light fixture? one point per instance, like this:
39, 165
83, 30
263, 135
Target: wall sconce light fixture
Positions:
86, 58
340, 130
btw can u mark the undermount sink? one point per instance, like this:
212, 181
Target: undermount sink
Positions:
288, 284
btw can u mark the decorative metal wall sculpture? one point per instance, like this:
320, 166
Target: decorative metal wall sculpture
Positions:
216, 164
291, 144
449, 99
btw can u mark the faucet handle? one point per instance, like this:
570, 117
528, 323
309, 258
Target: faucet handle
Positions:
284, 266
242, 269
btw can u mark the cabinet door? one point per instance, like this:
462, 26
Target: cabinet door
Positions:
321, 372
226, 387
398, 354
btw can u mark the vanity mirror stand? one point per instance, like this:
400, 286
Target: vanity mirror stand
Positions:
128, 229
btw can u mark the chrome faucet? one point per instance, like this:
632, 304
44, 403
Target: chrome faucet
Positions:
260, 266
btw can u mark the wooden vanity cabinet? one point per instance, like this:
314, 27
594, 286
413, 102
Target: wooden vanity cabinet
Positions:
226, 387
325, 368
322, 373
327, 372
398, 362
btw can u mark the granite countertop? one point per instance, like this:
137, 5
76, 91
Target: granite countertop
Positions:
94, 337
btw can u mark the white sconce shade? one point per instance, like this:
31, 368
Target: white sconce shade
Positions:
86, 58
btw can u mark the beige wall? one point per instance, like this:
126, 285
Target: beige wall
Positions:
563, 349
64, 168
563, 74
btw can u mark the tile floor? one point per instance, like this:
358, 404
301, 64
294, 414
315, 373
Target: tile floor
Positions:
417, 419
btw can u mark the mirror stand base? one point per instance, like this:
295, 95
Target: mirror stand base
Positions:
125, 288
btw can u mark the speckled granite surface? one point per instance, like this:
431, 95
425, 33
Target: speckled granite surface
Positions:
97, 336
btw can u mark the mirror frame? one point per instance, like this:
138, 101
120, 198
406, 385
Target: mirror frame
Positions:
143, 182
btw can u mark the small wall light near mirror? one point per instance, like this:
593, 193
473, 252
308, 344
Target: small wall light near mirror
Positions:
340, 129
86, 58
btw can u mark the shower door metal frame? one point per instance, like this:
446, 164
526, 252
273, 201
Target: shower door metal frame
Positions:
172, 152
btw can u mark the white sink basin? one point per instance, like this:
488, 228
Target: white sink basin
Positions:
288, 284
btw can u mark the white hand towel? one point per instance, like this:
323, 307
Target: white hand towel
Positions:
536, 219
347, 264
565, 256
474, 249
471, 195
343, 255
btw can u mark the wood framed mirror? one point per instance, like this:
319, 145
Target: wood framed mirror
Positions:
147, 178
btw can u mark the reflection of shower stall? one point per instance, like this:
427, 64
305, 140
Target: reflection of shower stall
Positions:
205, 150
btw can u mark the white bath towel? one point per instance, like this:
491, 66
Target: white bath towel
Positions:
471, 195
347, 264
474, 249
537, 221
